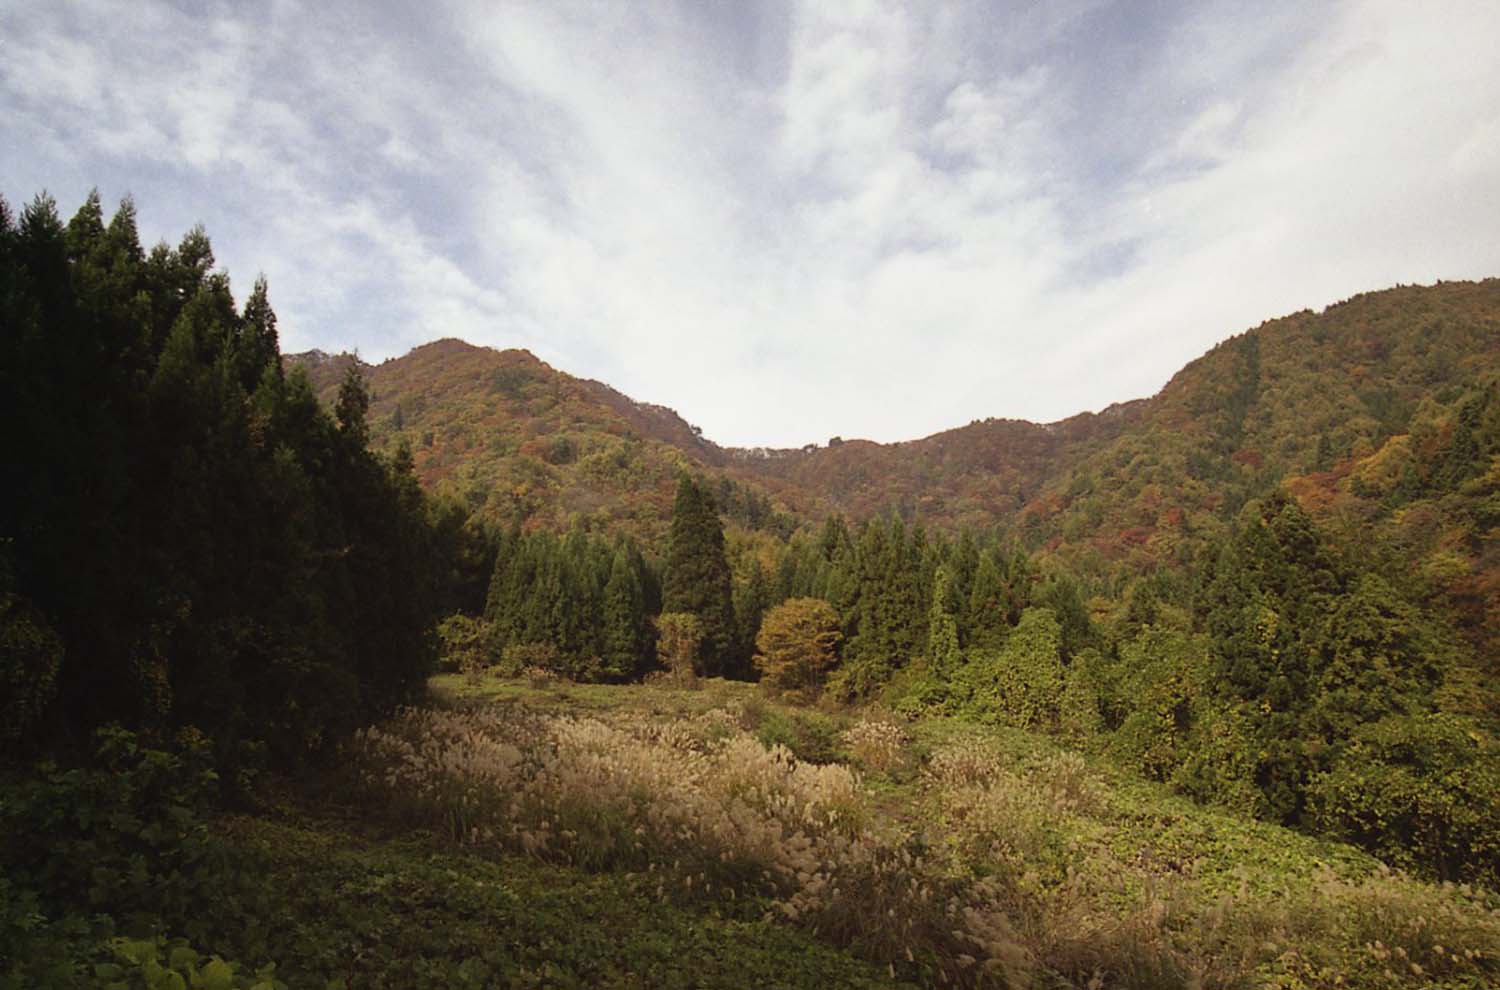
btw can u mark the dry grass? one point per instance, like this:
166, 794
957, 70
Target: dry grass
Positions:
998, 869
878, 746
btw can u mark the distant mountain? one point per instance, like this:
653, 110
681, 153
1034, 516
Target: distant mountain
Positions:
519, 441
1356, 410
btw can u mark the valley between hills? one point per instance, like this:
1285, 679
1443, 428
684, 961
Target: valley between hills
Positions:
1350, 409
458, 670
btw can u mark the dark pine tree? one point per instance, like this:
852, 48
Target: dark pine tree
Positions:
623, 636
751, 599
259, 346
697, 578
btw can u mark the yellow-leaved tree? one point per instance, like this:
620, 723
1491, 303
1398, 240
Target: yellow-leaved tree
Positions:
797, 644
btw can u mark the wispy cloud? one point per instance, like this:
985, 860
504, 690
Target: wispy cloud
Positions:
787, 220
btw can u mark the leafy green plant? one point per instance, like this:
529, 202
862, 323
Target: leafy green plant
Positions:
809, 736
1021, 683
125, 837
1421, 793
42, 953
463, 640
157, 964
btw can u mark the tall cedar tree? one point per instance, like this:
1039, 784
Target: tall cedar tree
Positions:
697, 579
1308, 650
623, 637
751, 599
189, 525
888, 608
569, 594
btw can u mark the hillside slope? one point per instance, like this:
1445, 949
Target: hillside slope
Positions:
1303, 396
1380, 414
519, 441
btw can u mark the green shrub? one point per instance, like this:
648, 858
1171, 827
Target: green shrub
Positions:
1421, 792
125, 837
1021, 683
811, 737
157, 964
1219, 764
39, 953
30, 655
1080, 710
519, 657
463, 640
97, 861
917, 690
1161, 678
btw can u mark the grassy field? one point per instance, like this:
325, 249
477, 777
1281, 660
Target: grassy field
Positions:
518, 833
355, 907
830, 848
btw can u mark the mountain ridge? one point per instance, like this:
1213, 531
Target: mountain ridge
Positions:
523, 441
1353, 409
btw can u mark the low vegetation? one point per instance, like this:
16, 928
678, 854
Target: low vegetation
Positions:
946, 851
122, 876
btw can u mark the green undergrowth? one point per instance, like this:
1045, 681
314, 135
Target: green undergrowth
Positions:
309, 901
1066, 869
554, 835
372, 911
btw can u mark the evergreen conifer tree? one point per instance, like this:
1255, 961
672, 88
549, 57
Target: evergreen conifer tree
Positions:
986, 622
697, 578
623, 637
352, 407
751, 600
259, 346
886, 614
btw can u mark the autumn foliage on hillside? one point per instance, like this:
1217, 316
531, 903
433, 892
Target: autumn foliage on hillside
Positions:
1276, 576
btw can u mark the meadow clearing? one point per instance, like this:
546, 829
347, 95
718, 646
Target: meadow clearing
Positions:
946, 853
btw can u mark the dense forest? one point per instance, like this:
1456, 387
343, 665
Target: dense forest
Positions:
190, 539
1274, 588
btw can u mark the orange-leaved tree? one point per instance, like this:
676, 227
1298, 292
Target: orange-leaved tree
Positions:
797, 644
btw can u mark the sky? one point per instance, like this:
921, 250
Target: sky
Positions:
786, 220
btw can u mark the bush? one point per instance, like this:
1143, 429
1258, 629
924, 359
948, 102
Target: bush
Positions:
808, 736
463, 644
125, 838
38, 953
157, 964
1080, 715
30, 655
1020, 684
1220, 760
97, 861
519, 657
918, 690
679, 636
1162, 676
1421, 792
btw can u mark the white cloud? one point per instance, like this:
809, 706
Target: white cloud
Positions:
878, 219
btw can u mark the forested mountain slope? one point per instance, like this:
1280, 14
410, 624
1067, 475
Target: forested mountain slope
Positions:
520, 442
1379, 414
1309, 395
1314, 397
